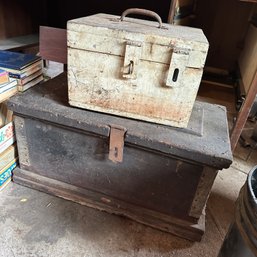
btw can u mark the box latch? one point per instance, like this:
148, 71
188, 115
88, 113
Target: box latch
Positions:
178, 64
116, 145
131, 59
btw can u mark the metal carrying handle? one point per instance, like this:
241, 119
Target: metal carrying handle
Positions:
142, 12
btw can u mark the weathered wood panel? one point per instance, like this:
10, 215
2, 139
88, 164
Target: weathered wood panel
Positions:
204, 141
144, 178
203, 190
181, 228
134, 69
130, 98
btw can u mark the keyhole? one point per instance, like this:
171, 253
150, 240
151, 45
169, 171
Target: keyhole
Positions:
175, 75
116, 152
131, 67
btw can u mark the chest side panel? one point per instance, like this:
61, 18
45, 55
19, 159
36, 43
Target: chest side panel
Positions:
146, 179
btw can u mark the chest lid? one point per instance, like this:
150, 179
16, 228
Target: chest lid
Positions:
204, 141
110, 34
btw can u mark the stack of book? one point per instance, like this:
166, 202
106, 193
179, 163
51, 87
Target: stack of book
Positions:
4, 77
18, 72
26, 68
8, 149
8, 86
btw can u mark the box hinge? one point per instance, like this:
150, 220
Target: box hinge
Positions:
131, 59
116, 145
178, 64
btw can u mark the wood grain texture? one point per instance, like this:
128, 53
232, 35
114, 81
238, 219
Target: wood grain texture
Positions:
53, 44
181, 228
203, 190
22, 146
204, 141
106, 92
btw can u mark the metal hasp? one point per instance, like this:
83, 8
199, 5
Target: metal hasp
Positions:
158, 175
117, 134
178, 64
131, 59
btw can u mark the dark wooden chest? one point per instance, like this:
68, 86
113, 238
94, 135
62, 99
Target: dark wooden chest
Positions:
158, 175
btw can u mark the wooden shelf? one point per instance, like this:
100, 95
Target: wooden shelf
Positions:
17, 43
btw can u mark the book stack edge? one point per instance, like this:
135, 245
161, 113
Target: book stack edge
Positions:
8, 148
25, 68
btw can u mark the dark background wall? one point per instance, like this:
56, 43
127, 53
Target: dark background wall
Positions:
21, 17
61, 11
24, 17
224, 22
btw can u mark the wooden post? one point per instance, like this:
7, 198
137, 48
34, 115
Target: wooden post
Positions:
172, 11
244, 113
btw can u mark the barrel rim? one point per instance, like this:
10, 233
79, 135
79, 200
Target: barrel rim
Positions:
249, 183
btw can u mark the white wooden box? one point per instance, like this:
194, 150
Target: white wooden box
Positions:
135, 68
